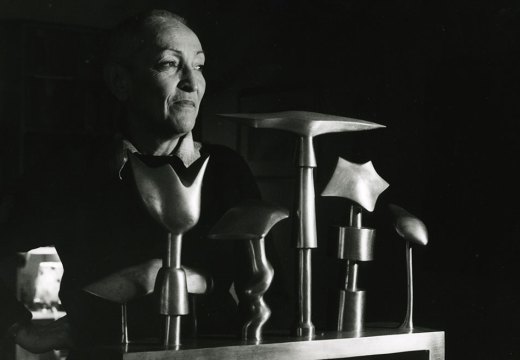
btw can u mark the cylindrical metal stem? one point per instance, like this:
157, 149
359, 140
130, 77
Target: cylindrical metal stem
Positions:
306, 212
352, 275
341, 310
305, 327
124, 325
307, 236
173, 251
408, 320
172, 331
355, 216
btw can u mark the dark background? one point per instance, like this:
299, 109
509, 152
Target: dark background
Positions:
443, 76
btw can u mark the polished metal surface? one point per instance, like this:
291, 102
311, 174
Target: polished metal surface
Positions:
408, 226
356, 243
248, 221
175, 204
413, 231
306, 125
305, 327
254, 291
306, 155
361, 184
357, 182
353, 318
306, 214
251, 222
171, 287
329, 345
124, 325
303, 123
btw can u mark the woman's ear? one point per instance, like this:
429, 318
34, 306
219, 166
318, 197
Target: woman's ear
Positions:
118, 81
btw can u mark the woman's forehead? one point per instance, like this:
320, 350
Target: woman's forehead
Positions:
173, 34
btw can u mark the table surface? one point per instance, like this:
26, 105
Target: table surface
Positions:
326, 345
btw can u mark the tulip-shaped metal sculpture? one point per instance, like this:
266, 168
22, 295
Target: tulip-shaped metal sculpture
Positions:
413, 231
362, 185
177, 207
251, 222
306, 125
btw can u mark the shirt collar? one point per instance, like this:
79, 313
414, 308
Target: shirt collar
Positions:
187, 150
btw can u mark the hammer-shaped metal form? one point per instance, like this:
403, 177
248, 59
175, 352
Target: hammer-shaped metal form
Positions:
306, 125
361, 184
176, 206
413, 230
252, 221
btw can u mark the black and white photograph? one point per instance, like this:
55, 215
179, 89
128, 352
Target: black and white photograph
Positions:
259, 179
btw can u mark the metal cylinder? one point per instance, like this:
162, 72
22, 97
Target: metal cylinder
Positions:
356, 243
171, 289
305, 328
354, 313
306, 156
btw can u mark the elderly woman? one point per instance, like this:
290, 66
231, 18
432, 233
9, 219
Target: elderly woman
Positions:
90, 209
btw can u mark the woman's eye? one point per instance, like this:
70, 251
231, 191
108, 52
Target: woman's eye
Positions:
165, 65
199, 67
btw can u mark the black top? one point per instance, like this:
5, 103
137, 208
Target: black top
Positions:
98, 225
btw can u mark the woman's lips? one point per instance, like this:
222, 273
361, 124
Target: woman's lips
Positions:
184, 103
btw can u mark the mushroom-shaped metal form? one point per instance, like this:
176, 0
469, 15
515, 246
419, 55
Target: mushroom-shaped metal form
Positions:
251, 222
413, 230
361, 184
175, 204
306, 125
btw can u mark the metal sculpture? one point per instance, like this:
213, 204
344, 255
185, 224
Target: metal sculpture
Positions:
361, 184
413, 231
306, 125
251, 222
177, 207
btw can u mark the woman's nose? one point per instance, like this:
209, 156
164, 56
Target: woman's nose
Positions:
188, 81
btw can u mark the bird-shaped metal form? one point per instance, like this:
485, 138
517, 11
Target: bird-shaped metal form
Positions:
251, 222
360, 184
175, 204
413, 231
306, 125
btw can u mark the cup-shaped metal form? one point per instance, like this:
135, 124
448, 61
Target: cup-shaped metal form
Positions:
175, 204
251, 222
413, 231
306, 125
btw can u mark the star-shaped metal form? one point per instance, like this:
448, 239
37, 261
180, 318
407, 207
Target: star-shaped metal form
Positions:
357, 182
303, 123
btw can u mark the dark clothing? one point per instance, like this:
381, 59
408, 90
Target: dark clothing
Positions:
98, 224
